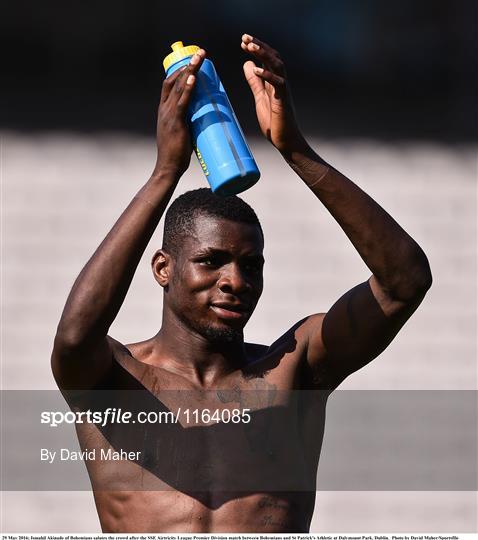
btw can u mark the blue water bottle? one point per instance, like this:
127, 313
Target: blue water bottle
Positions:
218, 141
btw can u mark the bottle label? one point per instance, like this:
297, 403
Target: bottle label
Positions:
201, 161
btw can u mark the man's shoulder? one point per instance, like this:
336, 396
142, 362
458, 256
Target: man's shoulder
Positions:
301, 331
293, 342
130, 357
255, 350
298, 333
137, 351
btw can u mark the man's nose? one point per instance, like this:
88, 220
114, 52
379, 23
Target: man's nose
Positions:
232, 280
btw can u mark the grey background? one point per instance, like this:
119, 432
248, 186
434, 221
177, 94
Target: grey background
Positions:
61, 194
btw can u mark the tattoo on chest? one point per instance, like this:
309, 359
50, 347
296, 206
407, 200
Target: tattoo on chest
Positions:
275, 512
270, 502
272, 521
257, 394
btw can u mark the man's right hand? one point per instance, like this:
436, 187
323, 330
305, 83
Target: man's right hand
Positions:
173, 136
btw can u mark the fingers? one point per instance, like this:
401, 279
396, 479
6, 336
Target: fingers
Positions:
169, 83
274, 72
255, 82
278, 82
186, 92
182, 81
264, 53
185, 84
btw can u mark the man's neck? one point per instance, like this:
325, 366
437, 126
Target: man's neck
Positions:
187, 353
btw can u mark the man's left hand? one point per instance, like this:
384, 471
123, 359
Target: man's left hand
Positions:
274, 107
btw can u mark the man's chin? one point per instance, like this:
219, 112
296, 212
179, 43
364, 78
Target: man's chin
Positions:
222, 334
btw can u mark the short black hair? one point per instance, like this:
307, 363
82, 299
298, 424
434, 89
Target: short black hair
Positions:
181, 215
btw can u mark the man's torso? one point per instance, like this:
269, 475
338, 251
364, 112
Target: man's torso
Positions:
239, 458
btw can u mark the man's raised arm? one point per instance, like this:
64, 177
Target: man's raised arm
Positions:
364, 321
82, 352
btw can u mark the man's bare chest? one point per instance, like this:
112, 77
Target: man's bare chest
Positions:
244, 435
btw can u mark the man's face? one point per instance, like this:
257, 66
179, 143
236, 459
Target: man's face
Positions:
217, 278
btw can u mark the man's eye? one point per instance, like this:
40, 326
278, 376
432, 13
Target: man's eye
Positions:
208, 262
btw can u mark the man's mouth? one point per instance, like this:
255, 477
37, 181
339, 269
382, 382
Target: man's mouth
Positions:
226, 310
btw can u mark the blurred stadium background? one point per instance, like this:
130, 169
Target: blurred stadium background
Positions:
386, 91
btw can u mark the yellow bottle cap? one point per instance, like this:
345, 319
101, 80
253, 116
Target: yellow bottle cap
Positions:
179, 52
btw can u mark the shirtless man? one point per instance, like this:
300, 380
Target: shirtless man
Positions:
252, 476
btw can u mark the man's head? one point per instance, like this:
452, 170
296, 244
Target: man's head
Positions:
211, 264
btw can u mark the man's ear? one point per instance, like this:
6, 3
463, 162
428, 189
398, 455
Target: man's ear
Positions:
161, 266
